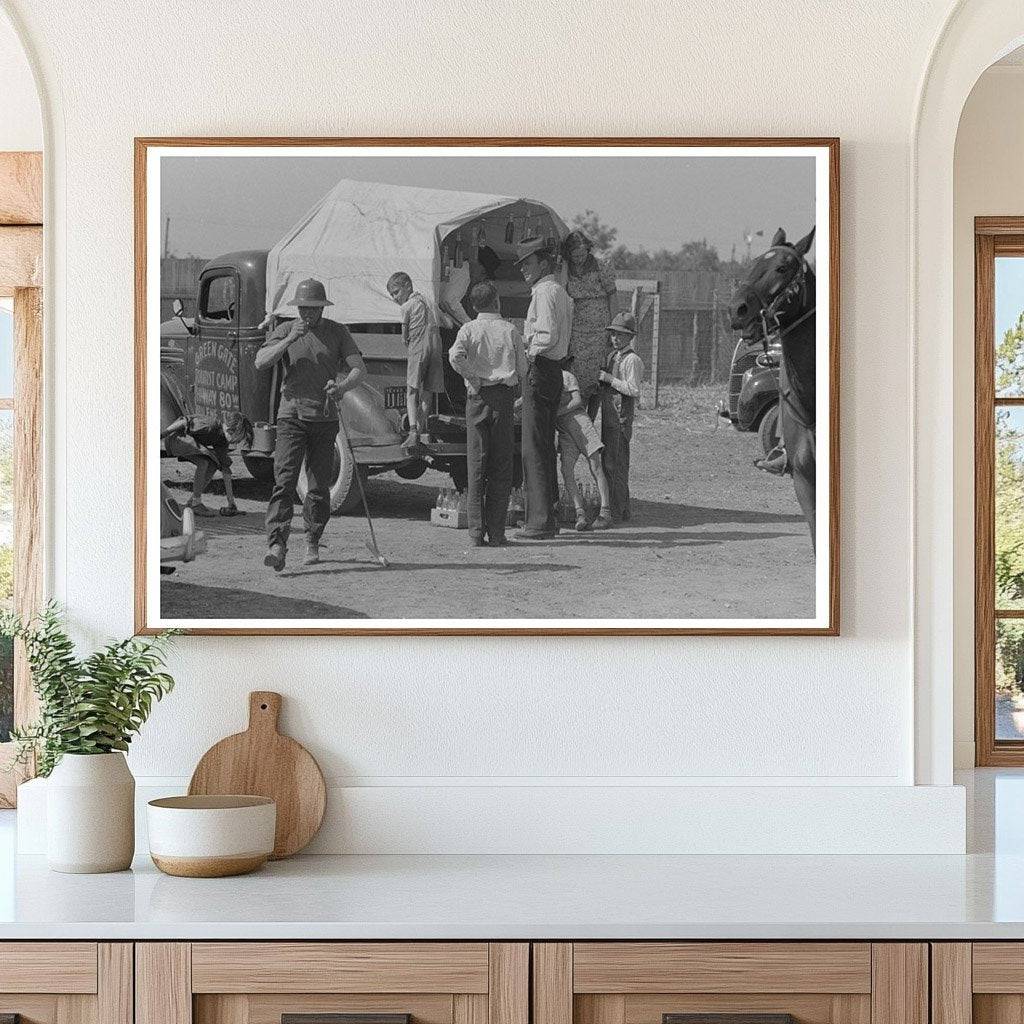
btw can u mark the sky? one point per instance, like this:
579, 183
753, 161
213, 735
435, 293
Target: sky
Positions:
6, 351
1009, 293
220, 203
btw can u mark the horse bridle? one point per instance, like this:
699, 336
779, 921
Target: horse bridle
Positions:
772, 306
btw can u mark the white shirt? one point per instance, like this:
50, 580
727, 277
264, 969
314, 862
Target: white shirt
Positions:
627, 370
549, 320
488, 350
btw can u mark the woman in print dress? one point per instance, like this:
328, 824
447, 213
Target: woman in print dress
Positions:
591, 286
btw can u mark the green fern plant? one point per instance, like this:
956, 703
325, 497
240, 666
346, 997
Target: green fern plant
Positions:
91, 705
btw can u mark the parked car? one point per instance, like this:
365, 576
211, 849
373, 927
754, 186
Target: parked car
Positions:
752, 402
352, 240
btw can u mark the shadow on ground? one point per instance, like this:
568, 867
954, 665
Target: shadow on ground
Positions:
501, 568
181, 600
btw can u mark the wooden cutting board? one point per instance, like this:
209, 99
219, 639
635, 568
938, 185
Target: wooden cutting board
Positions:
262, 762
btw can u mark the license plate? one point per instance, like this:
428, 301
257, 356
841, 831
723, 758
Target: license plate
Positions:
394, 398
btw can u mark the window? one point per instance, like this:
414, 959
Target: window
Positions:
6, 511
219, 298
21, 483
999, 491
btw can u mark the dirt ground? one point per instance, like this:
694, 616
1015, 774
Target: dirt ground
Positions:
710, 537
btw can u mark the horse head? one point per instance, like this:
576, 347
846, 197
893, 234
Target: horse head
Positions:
775, 281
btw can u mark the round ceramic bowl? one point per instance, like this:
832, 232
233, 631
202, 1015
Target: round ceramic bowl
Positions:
211, 836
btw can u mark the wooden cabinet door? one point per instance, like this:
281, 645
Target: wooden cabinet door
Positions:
66, 982
977, 983
736, 982
265, 982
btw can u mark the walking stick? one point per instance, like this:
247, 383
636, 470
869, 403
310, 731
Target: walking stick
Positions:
371, 544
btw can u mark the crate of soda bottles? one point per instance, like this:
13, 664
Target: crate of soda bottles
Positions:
450, 509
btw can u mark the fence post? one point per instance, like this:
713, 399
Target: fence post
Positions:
655, 336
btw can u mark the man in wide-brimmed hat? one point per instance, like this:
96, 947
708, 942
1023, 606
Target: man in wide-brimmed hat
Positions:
619, 382
546, 335
316, 353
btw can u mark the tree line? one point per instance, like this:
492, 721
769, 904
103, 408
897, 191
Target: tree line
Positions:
698, 254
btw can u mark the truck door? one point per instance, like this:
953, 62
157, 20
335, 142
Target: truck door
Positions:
213, 368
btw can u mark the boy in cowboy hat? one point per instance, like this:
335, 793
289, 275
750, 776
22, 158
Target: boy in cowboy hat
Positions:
546, 334
620, 389
316, 352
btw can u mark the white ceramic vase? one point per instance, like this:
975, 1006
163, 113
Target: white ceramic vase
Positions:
90, 814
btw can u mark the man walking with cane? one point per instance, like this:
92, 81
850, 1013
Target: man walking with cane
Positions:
546, 334
316, 351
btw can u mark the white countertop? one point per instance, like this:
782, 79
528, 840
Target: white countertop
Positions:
978, 896
531, 897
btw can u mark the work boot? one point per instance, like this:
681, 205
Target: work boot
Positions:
275, 557
312, 555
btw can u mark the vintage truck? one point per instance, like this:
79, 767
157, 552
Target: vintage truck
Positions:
352, 240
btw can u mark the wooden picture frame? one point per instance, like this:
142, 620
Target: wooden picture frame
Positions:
827, 575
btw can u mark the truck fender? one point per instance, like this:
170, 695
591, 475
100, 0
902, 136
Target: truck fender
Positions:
172, 406
366, 420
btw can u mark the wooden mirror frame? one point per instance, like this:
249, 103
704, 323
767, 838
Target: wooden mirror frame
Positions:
21, 277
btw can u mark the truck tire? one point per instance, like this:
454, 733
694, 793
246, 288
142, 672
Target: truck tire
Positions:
344, 487
768, 431
260, 469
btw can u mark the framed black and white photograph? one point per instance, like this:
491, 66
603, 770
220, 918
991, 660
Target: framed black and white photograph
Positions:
487, 386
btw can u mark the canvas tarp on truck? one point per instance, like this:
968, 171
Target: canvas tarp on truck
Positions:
361, 232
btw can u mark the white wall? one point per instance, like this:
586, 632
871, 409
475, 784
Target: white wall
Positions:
988, 181
444, 713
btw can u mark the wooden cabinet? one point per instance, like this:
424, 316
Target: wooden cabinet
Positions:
66, 982
815, 982
979, 982
493, 983
260, 982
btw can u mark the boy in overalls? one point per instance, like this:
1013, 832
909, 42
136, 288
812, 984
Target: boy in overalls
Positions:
620, 390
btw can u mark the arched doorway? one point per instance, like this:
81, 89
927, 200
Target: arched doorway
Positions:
976, 34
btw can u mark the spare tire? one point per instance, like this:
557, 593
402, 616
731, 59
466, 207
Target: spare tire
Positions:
344, 486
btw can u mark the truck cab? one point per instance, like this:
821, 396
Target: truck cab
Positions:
208, 366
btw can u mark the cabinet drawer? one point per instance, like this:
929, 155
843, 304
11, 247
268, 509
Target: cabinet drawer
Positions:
634, 967
340, 967
48, 967
66, 982
732, 982
262, 982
